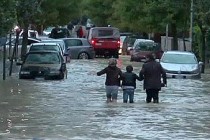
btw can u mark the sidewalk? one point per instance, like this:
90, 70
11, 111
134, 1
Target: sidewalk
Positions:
15, 69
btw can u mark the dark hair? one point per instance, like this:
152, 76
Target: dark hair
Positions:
129, 68
150, 56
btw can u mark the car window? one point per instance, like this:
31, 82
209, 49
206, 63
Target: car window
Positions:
46, 58
73, 42
145, 46
61, 43
106, 33
179, 59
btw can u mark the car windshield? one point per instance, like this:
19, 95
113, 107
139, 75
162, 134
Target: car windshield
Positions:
44, 47
42, 58
145, 46
106, 33
179, 58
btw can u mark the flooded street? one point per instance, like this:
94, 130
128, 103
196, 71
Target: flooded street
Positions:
75, 108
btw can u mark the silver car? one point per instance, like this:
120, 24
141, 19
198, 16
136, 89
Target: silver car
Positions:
45, 46
79, 48
181, 64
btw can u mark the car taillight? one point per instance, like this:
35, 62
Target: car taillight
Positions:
118, 43
93, 42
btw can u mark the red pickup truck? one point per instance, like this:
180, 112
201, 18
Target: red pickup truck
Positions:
105, 41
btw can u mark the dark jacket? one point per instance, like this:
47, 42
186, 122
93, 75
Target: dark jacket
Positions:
113, 75
152, 72
129, 79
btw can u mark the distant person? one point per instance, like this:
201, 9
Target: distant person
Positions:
113, 75
129, 84
55, 32
80, 32
152, 72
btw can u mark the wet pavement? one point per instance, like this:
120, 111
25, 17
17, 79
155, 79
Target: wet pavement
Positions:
75, 108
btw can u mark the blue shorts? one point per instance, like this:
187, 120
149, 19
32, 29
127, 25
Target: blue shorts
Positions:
112, 92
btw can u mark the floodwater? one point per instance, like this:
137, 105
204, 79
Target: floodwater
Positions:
75, 108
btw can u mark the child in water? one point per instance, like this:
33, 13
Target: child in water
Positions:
129, 84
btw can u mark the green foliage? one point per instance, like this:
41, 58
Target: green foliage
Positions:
59, 12
7, 16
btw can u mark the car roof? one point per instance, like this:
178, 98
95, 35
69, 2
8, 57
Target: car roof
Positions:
179, 52
45, 43
104, 28
48, 40
74, 38
43, 51
144, 40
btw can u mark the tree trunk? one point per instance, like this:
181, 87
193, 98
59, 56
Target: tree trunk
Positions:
203, 52
174, 33
183, 38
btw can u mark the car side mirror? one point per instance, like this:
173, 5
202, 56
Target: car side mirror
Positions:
200, 63
66, 54
157, 60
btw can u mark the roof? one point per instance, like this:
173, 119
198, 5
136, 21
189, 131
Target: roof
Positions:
179, 52
104, 28
43, 51
44, 43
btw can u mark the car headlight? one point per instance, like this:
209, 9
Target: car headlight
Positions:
195, 71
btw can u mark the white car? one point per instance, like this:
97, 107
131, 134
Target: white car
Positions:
46, 47
181, 64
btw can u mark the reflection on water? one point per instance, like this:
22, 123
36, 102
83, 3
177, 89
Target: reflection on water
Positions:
75, 108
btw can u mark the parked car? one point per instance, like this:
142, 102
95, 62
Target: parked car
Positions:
58, 41
128, 43
62, 44
45, 47
142, 47
79, 48
105, 41
45, 64
181, 64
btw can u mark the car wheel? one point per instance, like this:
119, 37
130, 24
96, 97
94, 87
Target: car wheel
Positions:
83, 55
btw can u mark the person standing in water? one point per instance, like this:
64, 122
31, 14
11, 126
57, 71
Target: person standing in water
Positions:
112, 83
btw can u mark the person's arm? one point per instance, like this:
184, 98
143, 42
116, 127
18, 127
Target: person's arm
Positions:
141, 73
138, 78
101, 72
164, 76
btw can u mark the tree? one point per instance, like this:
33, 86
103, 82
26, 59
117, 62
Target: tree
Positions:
202, 20
100, 11
7, 16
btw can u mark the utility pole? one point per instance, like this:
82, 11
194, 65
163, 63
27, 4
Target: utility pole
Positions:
191, 25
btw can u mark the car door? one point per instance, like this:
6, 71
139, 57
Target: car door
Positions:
74, 47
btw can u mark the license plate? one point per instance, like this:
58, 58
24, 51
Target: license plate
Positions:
98, 44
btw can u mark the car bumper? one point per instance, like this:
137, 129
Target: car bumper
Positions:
138, 58
183, 76
38, 75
